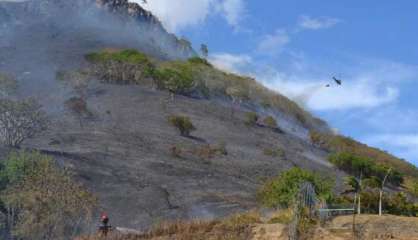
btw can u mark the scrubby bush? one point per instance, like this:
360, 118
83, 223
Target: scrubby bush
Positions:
41, 200
270, 122
274, 152
182, 123
177, 78
251, 118
282, 190
121, 66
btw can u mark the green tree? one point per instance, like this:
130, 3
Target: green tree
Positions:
282, 190
42, 201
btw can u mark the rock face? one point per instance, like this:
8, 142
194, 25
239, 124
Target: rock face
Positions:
116, 19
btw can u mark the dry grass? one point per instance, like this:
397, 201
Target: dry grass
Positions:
235, 227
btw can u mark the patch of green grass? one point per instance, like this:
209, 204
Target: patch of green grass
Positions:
128, 55
198, 60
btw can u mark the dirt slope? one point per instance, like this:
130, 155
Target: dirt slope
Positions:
123, 153
370, 227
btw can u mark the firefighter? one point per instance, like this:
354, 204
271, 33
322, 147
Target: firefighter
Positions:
105, 228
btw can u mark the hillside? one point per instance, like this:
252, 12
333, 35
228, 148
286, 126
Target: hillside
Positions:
110, 82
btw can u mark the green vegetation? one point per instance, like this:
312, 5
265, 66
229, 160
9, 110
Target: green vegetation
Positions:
127, 55
341, 144
176, 77
198, 60
414, 188
357, 165
270, 122
182, 123
251, 118
196, 76
282, 190
121, 66
41, 201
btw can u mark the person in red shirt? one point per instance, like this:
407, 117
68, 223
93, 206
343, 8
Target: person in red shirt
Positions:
105, 227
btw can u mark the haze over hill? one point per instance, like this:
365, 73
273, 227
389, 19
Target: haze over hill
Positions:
108, 119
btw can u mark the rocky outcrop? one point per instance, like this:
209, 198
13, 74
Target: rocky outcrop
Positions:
120, 18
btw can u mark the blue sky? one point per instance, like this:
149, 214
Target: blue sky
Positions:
295, 47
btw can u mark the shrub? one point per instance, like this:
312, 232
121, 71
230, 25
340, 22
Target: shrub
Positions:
177, 78
183, 124
198, 60
270, 122
251, 118
278, 152
282, 190
37, 189
20, 120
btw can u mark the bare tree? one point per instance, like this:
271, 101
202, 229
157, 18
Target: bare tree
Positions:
20, 120
381, 190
